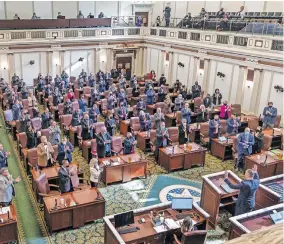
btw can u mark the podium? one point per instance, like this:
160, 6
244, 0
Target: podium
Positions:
214, 197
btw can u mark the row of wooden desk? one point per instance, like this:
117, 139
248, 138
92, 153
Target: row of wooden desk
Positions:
8, 228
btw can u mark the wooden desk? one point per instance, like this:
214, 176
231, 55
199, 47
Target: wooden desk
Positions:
213, 197
124, 126
8, 229
147, 233
249, 222
123, 171
222, 150
143, 142
90, 205
194, 136
276, 134
270, 192
182, 158
170, 120
73, 136
264, 170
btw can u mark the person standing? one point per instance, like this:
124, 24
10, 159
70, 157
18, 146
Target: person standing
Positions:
44, 153
248, 188
217, 97
162, 137
245, 142
207, 101
46, 117
17, 110
95, 170
103, 143
158, 117
225, 111
183, 132
214, 129
3, 157
87, 127
233, 124
65, 149
129, 143
186, 113
64, 177
269, 114
258, 140
196, 90
110, 124
7, 190
54, 133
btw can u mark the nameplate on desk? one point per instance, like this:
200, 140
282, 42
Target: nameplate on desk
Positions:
171, 224
222, 139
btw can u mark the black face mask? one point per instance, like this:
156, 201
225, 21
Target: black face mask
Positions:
270, 106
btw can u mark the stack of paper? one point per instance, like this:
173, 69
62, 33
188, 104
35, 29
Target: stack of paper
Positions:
171, 224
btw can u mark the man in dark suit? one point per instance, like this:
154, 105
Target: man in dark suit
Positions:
65, 150
248, 188
122, 112
103, 143
129, 143
214, 129
163, 80
64, 176
183, 132
162, 137
269, 114
3, 157
196, 90
207, 101
45, 119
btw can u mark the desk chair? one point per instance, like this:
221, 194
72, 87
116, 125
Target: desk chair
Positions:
65, 121
152, 121
75, 179
267, 141
36, 124
224, 126
87, 147
8, 115
277, 121
253, 123
236, 109
104, 106
160, 105
45, 132
204, 134
98, 127
134, 125
25, 103
196, 237
178, 118
173, 135
79, 135
153, 140
235, 149
116, 145
22, 143
30, 159
197, 103
75, 105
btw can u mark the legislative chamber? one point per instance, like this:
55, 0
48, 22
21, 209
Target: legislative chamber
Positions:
141, 122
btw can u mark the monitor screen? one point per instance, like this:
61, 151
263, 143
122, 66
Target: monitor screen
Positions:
123, 219
182, 203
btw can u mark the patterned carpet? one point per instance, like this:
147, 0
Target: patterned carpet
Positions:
119, 198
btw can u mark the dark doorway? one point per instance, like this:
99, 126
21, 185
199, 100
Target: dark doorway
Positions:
144, 16
124, 63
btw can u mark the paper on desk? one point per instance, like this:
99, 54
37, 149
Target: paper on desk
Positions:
115, 163
106, 162
160, 228
171, 224
4, 210
179, 222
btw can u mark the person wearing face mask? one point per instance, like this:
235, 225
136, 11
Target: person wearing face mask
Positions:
25, 121
196, 90
102, 85
129, 144
163, 80
103, 143
65, 149
162, 137
64, 177
177, 86
150, 96
179, 103
186, 113
45, 153
91, 80
159, 117
233, 124
161, 94
245, 142
75, 118
214, 129
183, 132
122, 98
168, 104
111, 101
258, 140
148, 83
207, 101
54, 133
68, 107
135, 89
95, 96
17, 110
46, 117
87, 127
202, 115
3, 157
83, 105
225, 110
95, 170
132, 80
110, 124
122, 112
56, 96
140, 106
145, 121
269, 114
31, 137
94, 112
217, 97
122, 83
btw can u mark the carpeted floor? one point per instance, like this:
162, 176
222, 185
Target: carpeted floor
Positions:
157, 187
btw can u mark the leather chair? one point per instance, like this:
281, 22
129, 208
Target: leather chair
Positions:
134, 109
196, 237
152, 121
98, 127
160, 105
204, 133
25, 103
75, 105
75, 179
104, 106
79, 135
30, 112
153, 140
253, 123
55, 154
235, 149
134, 125
224, 126
65, 121
65, 98
36, 123
116, 145
87, 147
277, 121
267, 141
22, 143
173, 135
43, 187
129, 92
236, 109
144, 97
31, 159
45, 132
142, 90
197, 103
60, 109
178, 118
8, 115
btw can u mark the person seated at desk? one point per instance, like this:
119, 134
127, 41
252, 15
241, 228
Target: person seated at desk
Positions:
161, 93
31, 137
150, 96
245, 142
103, 143
17, 110
65, 149
75, 118
207, 101
136, 89
16, 17
122, 112
54, 133
214, 129
7, 189
233, 124
64, 178
196, 90
68, 107
258, 140
44, 153
186, 113
90, 16
110, 124
101, 15
162, 137
87, 127
220, 13
183, 132
202, 115
71, 95
158, 117
217, 97
186, 226
179, 103
177, 86
34, 16
3, 157
163, 80
94, 112
111, 100
80, 15
269, 114
225, 111
129, 143
140, 106
95, 170
83, 105
145, 121
248, 188
168, 104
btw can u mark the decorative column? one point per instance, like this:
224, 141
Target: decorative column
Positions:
97, 60
170, 69
61, 62
193, 76
241, 84
11, 66
49, 62
94, 68
109, 59
145, 50
205, 82
161, 64
256, 90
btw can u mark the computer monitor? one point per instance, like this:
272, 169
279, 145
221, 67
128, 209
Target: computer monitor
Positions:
123, 219
179, 203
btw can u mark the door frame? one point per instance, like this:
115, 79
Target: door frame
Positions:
126, 55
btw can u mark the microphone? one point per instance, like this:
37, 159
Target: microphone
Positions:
265, 160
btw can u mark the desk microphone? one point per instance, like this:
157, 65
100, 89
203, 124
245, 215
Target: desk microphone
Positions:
265, 160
